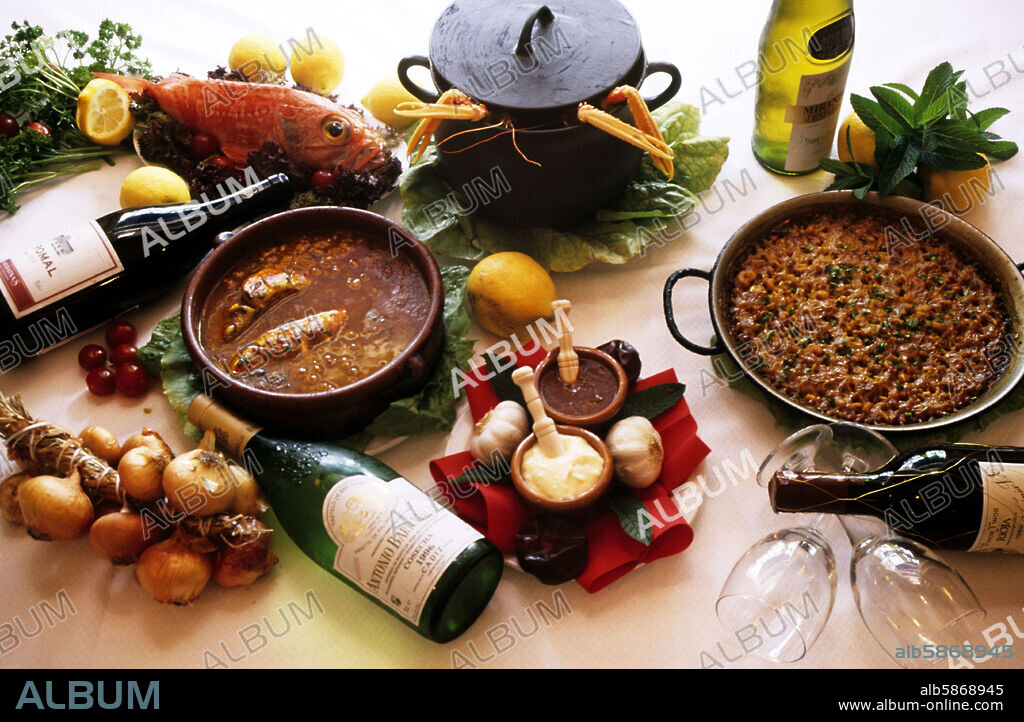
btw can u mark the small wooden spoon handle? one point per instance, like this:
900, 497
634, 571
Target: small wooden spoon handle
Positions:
548, 440
568, 361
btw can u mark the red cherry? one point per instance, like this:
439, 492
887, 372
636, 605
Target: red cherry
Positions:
202, 146
222, 162
38, 127
92, 357
131, 379
121, 332
323, 179
9, 125
123, 354
101, 381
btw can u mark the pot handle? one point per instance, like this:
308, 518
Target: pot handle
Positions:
673, 87
670, 317
411, 61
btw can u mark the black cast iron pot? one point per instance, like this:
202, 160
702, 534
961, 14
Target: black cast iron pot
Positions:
531, 162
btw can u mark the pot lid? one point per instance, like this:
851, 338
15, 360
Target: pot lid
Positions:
534, 55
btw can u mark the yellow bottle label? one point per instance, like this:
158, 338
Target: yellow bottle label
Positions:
1002, 516
814, 117
232, 433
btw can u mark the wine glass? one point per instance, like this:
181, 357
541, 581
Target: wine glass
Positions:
909, 597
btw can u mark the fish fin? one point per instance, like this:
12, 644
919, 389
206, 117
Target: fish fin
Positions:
132, 85
238, 154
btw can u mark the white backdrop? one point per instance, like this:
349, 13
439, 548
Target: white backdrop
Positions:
662, 614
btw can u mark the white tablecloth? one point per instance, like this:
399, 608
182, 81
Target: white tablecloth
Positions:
661, 614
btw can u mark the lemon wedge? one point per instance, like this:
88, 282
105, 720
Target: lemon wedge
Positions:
103, 112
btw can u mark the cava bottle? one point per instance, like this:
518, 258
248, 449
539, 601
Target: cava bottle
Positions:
367, 526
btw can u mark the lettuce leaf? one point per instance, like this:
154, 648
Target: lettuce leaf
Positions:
617, 234
433, 408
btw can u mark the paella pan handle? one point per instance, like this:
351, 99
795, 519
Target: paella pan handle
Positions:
673, 87
670, 318
412, 61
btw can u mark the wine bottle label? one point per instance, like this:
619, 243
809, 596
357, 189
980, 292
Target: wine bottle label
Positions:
814, 117
393, 540
831, 41
41, 274
1002, 516
232, 432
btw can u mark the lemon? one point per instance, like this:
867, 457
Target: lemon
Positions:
258, 58
958, 191
321, 65
103, 112
152, 186
862, 140
509, 290
384, 97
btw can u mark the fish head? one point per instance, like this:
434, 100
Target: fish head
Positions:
332, 136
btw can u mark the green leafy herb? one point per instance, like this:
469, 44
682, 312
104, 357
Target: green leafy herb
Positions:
933, 127
163, 335
631, 511
43, 78
652, 401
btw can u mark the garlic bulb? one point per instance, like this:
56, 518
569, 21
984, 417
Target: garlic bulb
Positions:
636, 451
55, 508
500, 431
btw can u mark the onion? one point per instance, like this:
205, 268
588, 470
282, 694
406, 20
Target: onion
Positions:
172, 572
102, 443
121, 536
55, 508
9, 497
199, 483
149, 439
239, 565
141, 472
248, 498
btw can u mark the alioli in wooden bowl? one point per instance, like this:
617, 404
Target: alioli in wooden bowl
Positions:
347, 408
562, 506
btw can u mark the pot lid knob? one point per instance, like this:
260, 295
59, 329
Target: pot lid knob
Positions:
525, 45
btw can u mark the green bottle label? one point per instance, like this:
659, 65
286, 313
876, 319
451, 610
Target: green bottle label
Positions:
394, 541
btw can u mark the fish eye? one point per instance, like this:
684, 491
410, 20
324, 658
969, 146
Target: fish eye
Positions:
335, 129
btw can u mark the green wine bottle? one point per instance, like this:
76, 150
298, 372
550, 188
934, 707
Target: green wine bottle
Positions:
375, 531
803, 62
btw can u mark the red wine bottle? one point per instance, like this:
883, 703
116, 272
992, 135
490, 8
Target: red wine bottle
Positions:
52, 291
949, 496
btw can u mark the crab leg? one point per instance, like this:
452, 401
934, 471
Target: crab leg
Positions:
452, 105
645, 135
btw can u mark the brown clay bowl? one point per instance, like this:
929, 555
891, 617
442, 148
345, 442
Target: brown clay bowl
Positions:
562, 506
594, 421
328, 414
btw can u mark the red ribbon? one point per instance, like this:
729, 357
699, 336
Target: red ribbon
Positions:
497, 511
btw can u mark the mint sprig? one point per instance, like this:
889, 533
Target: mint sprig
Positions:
933, 127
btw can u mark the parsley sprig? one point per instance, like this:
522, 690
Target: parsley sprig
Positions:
933, 127
42, 76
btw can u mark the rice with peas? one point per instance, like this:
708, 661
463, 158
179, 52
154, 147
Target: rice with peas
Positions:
854, 329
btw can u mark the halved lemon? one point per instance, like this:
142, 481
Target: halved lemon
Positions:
103, 112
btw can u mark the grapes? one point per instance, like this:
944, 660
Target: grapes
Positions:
92, 357
9, 125
131, 379
101, 381
123, 354
202, 146
323, 179
120, 332
551, 548
222, 162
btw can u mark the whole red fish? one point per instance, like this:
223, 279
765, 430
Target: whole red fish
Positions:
314, 132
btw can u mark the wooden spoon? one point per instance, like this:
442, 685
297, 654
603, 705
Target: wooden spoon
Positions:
568, 361
548, 439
